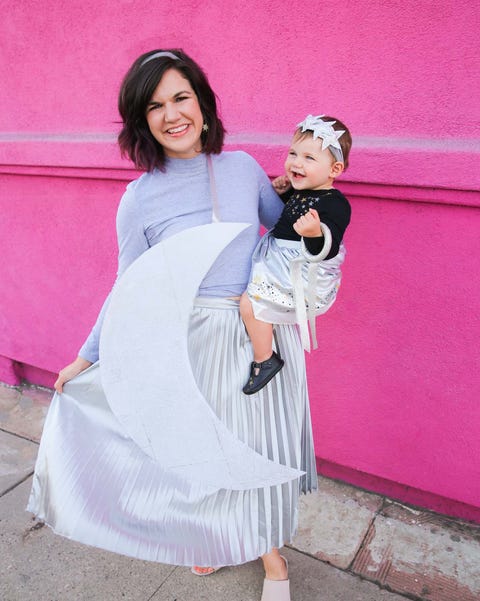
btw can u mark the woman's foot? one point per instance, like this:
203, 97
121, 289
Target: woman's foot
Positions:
276, 586
276, 567
262, 373
199, 571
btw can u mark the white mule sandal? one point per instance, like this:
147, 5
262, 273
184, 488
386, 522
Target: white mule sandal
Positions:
276, 590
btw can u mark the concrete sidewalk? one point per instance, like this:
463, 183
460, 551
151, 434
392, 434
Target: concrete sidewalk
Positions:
351, 546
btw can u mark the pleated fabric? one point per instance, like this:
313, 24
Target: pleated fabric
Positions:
93, 484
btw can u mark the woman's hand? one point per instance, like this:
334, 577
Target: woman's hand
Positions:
281, 184
70, 371
308, 225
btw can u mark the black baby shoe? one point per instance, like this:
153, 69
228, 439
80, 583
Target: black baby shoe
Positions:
266, 371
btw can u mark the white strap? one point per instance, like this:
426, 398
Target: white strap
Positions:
311, 296
303, 296
213, 191
327, 245
299, 300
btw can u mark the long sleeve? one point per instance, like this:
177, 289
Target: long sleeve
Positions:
333, 209
336, 216
160, 204
131, 244
270, 205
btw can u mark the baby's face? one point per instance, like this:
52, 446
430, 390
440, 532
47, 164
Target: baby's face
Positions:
308, 167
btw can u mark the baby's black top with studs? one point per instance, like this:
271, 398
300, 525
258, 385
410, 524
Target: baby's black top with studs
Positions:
333, 209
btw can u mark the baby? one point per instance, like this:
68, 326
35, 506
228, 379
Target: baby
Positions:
296, 266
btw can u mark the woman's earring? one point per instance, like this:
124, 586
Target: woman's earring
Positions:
205, 127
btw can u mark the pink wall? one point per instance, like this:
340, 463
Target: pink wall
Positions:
395, 400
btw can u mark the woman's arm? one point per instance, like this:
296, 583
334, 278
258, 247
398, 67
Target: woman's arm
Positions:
70, 371
131, 244
270, 205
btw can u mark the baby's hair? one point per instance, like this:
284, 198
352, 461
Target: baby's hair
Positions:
345, 139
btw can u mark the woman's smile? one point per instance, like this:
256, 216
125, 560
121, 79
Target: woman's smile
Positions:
178, 131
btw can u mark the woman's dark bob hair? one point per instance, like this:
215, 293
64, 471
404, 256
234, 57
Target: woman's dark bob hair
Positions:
137, 89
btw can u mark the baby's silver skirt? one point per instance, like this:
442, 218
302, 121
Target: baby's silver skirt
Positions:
271, 289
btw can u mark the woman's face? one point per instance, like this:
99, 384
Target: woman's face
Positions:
174, 116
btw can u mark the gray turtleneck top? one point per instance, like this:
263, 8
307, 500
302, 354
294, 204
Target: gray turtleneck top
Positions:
160, 204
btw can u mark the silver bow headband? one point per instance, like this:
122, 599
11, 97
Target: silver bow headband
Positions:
324, 130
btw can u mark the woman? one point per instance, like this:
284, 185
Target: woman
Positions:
118, 498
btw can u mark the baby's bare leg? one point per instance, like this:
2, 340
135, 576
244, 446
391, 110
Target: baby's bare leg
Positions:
260, 332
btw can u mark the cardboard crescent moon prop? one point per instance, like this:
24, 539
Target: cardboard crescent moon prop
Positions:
147, 375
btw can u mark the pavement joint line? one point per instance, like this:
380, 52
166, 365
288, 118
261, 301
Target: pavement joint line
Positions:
385, 502
349, 571
19, 436
175, 568
377, 582
5, 492
386, 587
367, 534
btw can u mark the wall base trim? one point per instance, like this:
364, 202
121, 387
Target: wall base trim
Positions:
400, 492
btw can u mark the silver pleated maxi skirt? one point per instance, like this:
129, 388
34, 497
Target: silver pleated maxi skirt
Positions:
93, 484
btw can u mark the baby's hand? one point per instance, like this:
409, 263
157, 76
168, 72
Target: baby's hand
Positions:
308, 225
281, 184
